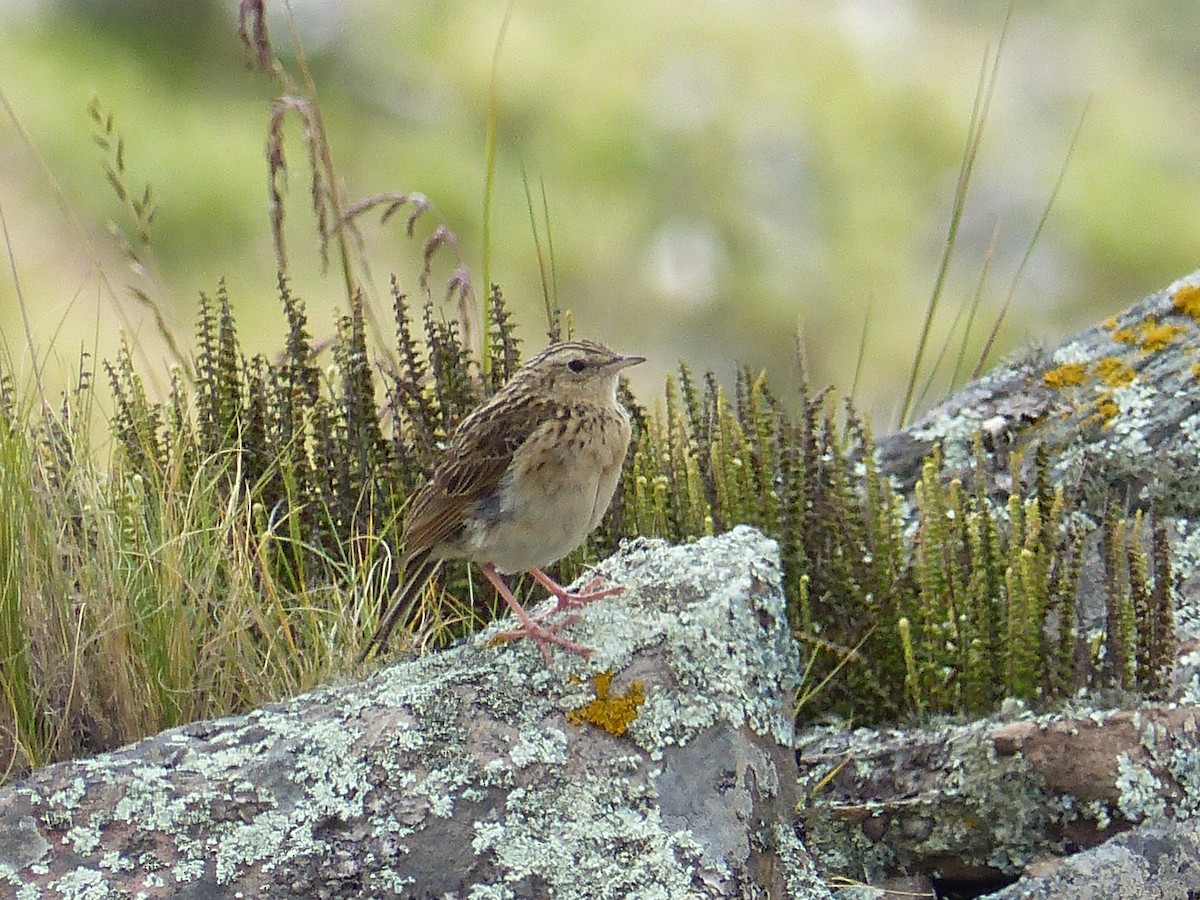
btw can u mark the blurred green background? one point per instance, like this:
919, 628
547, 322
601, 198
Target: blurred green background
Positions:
720, 176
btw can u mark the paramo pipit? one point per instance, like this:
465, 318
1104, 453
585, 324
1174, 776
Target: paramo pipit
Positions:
525, 478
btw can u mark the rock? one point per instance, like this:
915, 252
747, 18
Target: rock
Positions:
660, 766
1117, 410
1116, 406
1152, 862
987, 799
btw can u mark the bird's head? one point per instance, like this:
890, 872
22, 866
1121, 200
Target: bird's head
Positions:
578, 371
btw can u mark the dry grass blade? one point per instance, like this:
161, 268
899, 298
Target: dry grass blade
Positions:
1033, 240
988, 76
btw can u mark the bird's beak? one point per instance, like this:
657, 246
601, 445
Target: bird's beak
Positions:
624, 362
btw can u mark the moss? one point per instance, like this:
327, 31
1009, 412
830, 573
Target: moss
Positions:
1066, 375
612, 713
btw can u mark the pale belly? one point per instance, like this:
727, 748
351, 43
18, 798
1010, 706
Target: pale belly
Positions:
548, 506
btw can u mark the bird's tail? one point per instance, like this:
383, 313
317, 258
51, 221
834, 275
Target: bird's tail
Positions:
418, 570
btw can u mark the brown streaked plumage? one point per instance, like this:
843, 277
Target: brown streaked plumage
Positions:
525, 478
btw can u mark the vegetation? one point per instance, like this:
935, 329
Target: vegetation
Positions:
237, 542
243, 535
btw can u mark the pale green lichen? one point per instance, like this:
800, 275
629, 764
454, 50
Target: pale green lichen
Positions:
715, 682
640, 851
986, 809
803, 879
549, 746
1190, 428
1167, 784
1097, 813
1140, 792
1189, 684
955, 431
1139, 448
82, 884
83, 840
1184, 766
983, 812
1072, 353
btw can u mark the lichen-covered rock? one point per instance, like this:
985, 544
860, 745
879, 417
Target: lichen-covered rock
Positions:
660, 766
1113, 414
1152, 862
989, 798
1116, 406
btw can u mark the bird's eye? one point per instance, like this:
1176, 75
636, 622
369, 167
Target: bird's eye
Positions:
576, 365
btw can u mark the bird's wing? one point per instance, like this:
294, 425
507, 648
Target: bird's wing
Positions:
479, 453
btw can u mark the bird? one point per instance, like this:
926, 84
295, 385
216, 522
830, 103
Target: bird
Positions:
524, 479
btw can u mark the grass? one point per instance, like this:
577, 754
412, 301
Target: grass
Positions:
134, 603
235, 541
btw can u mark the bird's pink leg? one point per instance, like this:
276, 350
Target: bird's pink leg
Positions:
543, 635
567, 600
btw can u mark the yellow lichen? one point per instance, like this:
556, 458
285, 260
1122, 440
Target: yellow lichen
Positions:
1066, 375
1125, 336
1156, 335
1110, 323
1115, 372
613, 714
1196, 371
1104, 410
1187, 300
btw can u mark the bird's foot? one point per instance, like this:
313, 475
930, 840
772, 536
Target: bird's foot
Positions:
566, 599
544, 636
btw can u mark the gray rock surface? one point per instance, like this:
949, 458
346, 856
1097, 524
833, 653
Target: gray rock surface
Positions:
971, 801
1117, 406
473, 772
1153, 862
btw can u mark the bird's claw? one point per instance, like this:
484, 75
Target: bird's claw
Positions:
544, 635
585, 596
566, 600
